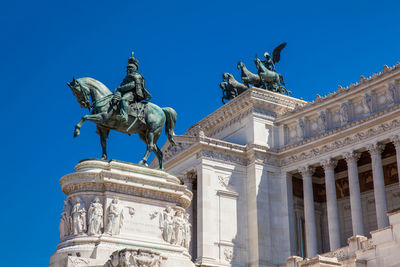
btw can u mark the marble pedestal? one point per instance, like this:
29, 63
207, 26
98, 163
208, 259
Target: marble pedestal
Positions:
121, 214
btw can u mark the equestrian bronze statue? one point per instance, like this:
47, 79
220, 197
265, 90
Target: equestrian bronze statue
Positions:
266, 77
126, 110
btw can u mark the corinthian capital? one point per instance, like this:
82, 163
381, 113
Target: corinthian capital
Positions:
375, 148
351, 156
395, 140
306, 170
329, 163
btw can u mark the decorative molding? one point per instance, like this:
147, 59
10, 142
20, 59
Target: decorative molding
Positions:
224, 181
96, 179
216, 155
228, 253
252, 100
340, 143
229, 194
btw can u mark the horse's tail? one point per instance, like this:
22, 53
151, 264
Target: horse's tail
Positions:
171, 116
281, 77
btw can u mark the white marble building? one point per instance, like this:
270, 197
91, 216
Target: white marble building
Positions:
273, 176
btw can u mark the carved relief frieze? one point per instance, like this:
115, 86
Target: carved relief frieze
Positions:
215, 155
228, 254
135, 258
344, 113
175, 226
337, 144
224, 181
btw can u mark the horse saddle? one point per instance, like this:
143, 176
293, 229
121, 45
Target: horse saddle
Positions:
136, 109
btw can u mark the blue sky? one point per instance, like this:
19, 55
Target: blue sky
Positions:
183, 48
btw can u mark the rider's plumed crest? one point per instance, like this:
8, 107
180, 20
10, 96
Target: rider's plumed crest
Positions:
133, 61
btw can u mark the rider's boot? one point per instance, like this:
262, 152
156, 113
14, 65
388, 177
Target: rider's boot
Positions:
124, 110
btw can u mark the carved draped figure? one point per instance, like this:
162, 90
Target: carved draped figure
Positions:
65, 225
179, 228
114, 218
78, 219
95, 218
167, 225
188, 234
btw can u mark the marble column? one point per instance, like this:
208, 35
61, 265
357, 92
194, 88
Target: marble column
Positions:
355, 198
331, 203
379, 184
396, 141
288, 190
309, 211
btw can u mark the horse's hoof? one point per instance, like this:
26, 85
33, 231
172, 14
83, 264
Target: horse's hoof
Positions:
104, 157
142, 163
76, 133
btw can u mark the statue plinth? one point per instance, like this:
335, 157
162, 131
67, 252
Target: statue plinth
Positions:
121, 210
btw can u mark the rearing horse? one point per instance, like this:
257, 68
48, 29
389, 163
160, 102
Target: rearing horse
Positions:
95, 96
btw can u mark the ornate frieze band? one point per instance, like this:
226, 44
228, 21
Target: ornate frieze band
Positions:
340, 143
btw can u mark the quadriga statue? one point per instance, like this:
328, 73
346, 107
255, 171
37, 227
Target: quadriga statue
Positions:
126, 110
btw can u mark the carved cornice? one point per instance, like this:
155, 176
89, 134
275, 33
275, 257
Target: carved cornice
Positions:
216, 155
249, 101
153, 184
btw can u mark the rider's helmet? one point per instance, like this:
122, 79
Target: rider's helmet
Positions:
266, 55
132, 61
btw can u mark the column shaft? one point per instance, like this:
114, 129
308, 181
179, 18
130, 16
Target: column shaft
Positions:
396, 141
379, 185
291, 216
331, 203
309, 213
355, 198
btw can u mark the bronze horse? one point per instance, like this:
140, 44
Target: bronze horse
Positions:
95, 96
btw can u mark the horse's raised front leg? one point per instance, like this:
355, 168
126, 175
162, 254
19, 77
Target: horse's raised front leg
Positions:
103, 133
95, 118
77, 131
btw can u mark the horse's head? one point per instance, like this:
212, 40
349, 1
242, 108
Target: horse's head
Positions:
259, 66
225, 76
223, 85
80, 92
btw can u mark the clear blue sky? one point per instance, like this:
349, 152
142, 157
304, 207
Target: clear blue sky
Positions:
183, 48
